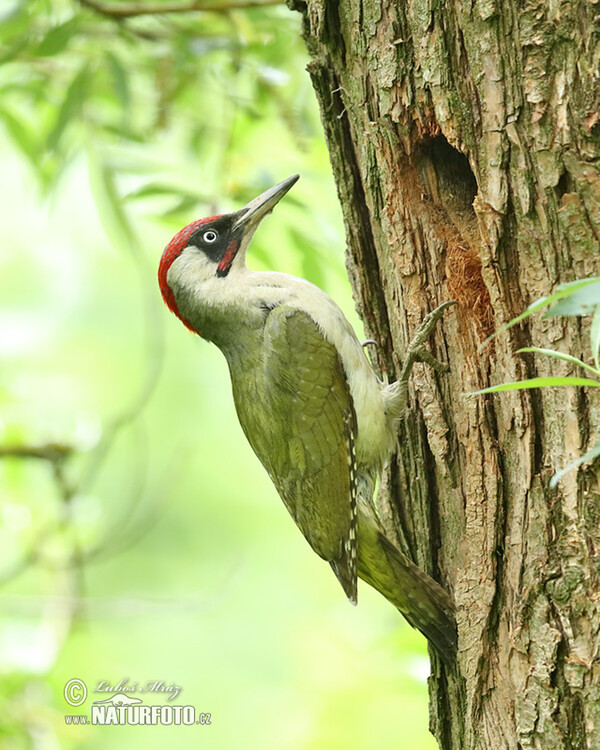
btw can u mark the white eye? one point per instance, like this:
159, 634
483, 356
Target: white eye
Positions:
209, 236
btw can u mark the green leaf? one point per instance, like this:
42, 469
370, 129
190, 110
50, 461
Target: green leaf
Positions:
595, 336
182, 206
124, 131
120, 80
72, 105
589, 456
562, 291
108, 203
582, 301
152, 189
22, 136
57, 38
559, 355
13, 50
311, 259
536, 383
15, 30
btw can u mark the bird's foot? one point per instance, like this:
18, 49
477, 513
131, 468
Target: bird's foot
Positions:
396, 394
417, 352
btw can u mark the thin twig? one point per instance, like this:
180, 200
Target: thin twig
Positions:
48, 452
55, 453
130, 10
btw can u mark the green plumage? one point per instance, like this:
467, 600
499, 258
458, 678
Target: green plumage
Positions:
294, 405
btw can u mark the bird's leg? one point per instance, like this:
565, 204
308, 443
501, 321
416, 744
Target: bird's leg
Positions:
417, 352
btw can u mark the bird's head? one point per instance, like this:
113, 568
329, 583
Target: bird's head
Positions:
212, 247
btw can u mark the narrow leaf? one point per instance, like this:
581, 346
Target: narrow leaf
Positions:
120, 81
595, 336
57, 38
582, 301
589, 456
536, 383
108, 203
563, 290
182, 206
13, 50
71, 106
559, 355
22, 136
153, 189
311, 258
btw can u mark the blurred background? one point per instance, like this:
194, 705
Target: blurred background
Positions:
140, 538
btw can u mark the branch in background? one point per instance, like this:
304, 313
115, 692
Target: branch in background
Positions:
55, 453
129, 10
52, 452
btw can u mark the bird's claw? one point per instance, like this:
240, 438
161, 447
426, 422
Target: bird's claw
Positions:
368, 342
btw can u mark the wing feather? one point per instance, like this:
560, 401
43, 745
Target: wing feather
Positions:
296, 410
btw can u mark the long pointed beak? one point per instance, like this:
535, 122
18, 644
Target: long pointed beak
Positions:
252, 214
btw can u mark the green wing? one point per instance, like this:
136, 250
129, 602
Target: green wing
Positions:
298, 416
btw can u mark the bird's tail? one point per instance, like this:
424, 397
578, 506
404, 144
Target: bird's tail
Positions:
422, 601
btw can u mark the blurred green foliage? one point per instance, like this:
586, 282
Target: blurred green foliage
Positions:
139, 536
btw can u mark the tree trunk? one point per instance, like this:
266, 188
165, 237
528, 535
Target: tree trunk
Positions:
463, 138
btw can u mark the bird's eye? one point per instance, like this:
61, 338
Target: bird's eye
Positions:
209, 236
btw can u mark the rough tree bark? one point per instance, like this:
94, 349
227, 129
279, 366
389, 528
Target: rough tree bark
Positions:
464, 139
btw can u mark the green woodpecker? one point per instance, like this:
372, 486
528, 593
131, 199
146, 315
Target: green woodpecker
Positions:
318, 418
